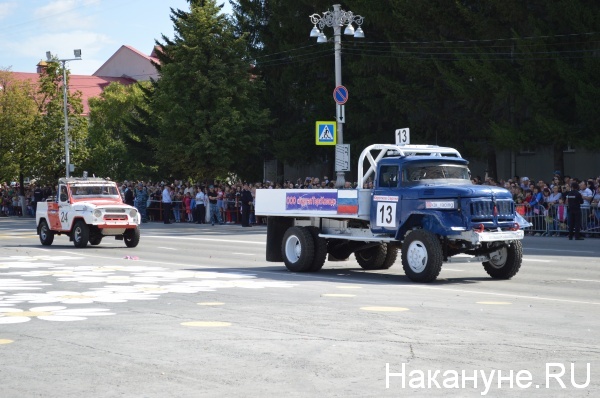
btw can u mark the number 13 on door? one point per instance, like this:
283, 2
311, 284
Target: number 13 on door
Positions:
386, 214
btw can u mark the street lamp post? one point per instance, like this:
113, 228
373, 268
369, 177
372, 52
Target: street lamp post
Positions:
77, 54
336, 19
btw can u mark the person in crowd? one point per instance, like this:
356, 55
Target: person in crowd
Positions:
141, 201
177, 203
200, 207
554, 196
219, 190
38, 196
128, 194
246, 199
586, 193
215, 214
187, 203
574, 202
166, 204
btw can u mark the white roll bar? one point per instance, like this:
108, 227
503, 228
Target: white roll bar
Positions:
399, 150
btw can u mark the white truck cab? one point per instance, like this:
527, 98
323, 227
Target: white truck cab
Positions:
87, 210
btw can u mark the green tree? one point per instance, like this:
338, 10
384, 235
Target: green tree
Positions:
18, 117
116, 149
49, 133
477, 75
204, 105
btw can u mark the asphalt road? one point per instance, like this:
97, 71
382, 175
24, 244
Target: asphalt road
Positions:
196, 311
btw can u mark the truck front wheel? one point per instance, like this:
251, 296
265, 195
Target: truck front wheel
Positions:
373, 257
46, 235
507, 263
298, 249
81, 234
422, 256
132, 237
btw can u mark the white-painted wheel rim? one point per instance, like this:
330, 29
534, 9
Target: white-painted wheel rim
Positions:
500, 260
293, 249
417, 256
77, 234
44, 232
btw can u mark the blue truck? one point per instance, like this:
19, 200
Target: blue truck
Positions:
422, 204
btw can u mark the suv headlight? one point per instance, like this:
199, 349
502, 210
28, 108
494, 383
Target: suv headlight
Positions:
97, 213
133, 213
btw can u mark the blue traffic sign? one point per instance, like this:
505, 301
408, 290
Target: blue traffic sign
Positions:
340, 95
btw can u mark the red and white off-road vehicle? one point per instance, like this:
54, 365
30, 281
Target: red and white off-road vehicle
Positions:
87, 210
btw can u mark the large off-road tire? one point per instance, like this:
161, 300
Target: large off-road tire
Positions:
80, 234
320, 250
373, 257
132, 237
391, 256
95, 240
422, 256
46, 235
298, 249
507, 264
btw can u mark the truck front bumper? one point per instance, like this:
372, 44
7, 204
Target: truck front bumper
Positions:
489, 236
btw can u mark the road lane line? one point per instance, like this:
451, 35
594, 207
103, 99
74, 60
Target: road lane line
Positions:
559, 250
204, 239
313, 276
583, 280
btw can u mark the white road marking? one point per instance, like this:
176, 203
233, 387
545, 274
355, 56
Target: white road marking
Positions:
583, 280
312, 276
537, 260
452, 269
245, 254
559, 250
166, 248
204, 239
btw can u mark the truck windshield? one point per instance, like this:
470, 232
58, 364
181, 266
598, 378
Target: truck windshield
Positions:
425, 172
95, 191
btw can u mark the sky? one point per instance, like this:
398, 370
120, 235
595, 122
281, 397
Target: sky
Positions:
29, 28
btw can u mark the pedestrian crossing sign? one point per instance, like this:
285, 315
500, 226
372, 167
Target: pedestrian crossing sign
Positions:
326, 133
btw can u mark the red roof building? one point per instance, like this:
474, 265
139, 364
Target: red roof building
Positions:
126, 66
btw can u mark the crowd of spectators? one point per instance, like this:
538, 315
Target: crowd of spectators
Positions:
532, 198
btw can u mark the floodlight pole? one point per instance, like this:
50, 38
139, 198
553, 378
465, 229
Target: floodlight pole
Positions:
65, 104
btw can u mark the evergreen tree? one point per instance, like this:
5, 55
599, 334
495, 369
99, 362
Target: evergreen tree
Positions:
204, 105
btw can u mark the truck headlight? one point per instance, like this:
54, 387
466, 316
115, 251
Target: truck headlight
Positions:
97, 213
133, 213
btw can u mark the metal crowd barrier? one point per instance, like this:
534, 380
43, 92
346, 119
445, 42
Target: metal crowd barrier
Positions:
232, 214
554, 221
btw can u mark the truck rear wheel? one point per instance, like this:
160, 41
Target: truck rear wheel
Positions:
320, 250
81, 234
391, 256
507, 264
298, 249
422, 256
46, 235
373, 257
132, 237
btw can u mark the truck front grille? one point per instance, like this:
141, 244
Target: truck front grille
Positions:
483, 210
115, 217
